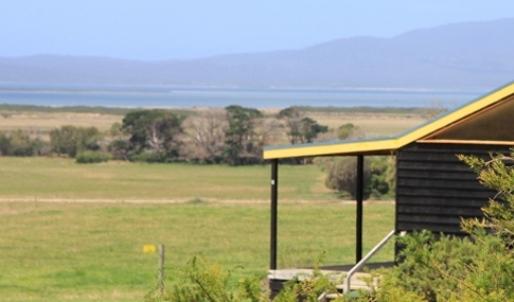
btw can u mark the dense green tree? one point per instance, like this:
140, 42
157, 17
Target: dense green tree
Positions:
240, 144
309, 130
154, 131
301, 129
119, 149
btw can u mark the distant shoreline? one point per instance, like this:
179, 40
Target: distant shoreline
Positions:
124, 110
191, 98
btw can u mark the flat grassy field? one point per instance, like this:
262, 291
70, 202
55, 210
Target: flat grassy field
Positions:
93, 252
54, 179
74, 232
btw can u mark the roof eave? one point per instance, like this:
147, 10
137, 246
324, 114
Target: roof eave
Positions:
370, 147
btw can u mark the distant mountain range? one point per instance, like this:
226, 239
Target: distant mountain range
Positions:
472, 55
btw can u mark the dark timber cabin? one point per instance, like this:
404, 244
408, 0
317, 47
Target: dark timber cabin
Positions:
434, 190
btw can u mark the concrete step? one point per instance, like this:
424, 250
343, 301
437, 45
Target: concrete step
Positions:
332, 297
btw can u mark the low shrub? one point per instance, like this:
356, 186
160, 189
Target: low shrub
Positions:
90, 157
203, 281
70, 140
149, 157
379, 176
444, 268
307, 290
20, 143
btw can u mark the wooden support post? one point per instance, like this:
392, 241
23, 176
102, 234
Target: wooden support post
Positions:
274, 213
359, 194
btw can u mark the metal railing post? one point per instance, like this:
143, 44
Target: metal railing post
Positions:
347, 282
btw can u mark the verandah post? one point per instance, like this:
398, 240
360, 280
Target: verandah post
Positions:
274, 213
359, 195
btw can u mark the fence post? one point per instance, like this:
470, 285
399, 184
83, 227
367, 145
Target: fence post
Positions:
161, 269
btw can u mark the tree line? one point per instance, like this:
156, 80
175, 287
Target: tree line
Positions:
235, 136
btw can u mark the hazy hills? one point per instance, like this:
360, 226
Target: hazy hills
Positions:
456, 56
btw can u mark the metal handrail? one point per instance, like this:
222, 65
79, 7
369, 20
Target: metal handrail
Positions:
347, 282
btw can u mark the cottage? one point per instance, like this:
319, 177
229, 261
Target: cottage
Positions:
434, 189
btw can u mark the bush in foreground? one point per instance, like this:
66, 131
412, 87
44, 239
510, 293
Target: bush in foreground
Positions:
477, 268
202, 281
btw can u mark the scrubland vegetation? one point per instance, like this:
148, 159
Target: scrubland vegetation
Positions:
202, 136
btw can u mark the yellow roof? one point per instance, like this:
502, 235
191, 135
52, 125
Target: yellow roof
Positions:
382, 146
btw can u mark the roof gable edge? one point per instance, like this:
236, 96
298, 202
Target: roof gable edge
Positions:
395, 142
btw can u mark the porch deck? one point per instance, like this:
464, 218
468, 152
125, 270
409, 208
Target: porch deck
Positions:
277, 278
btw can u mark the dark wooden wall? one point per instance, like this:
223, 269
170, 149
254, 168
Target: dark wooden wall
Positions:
434, 189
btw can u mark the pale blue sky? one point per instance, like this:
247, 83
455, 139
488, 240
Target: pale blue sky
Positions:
164, 29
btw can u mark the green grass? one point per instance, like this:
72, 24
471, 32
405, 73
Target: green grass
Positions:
66, 250
57, 178
93, 252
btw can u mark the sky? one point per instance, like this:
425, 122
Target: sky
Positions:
170, 29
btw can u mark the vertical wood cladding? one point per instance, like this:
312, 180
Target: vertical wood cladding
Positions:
435, 190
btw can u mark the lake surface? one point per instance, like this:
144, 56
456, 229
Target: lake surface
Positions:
203, 97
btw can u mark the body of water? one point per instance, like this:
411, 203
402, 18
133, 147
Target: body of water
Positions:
203, 97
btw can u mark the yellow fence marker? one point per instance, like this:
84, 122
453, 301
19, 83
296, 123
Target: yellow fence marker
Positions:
149, 248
